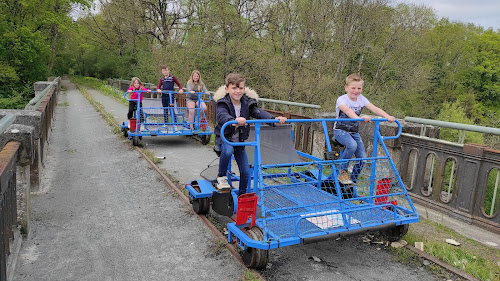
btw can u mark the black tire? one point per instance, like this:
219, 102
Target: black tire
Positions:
205, 139
135, 141
252, 257
201, 206
395, 233
125, 132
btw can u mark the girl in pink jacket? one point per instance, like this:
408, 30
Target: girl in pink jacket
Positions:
135, 86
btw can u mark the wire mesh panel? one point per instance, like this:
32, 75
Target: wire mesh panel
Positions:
159, 120
300, 200
303, 196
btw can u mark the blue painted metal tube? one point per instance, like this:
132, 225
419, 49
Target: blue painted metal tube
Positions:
393, 166
325, 131
377, 120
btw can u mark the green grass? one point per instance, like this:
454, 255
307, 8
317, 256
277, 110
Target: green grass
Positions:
249, 276
100, 85
471, 256
151, 155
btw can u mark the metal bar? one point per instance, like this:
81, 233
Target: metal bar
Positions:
347, 233
374, 154
461, 136
291, 103
458, 126
432, 140
6, 121
433, 159
422, 131
451, 177
443, 264
33, 103
325, 131
414, 168
495, 193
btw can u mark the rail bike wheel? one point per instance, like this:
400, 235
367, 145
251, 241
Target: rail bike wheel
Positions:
135, 141
125, 132
395, 233
252, 257
201, 206
205, 139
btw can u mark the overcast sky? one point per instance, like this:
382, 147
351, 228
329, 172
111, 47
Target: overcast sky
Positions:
485, 13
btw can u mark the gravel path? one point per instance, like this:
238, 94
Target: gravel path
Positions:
102, 213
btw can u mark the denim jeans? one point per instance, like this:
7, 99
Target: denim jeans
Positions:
166, 100
353, 146
240, 155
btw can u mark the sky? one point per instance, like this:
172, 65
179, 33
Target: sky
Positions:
485, 13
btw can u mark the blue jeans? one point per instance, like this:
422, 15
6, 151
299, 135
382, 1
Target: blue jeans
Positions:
240, 155
166, 100
353, 146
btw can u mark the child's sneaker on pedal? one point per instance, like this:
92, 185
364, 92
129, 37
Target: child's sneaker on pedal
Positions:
222, 183
344, 178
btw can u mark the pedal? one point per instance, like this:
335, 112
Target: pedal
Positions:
331, 155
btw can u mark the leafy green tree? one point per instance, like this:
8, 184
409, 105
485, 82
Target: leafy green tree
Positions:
483, 77
455, 113
29, 35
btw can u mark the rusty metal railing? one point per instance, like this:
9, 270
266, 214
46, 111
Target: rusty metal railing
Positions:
8, 200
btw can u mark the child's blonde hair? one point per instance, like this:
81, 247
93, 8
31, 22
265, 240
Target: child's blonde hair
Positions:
200, 82
132, 82
354, 77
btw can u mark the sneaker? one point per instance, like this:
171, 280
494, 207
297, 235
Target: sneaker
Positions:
222, 183
344, 178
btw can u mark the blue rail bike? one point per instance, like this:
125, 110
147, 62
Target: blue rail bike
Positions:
156, 120
295, 198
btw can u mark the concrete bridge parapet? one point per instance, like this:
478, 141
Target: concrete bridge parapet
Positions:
23, 136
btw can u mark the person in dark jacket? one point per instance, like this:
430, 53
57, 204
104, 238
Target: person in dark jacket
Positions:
235, 102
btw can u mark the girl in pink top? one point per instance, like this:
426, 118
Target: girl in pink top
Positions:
135, 86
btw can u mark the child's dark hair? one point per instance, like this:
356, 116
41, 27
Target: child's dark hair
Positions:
164, 66
234, 78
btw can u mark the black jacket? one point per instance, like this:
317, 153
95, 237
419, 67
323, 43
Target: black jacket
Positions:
225, 112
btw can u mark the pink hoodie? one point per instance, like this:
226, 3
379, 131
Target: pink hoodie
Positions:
133, 96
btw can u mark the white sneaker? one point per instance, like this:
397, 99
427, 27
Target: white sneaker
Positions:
343, 178
222, 183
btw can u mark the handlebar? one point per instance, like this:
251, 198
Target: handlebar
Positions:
135, 91
200, 94
169, 92
260, 121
